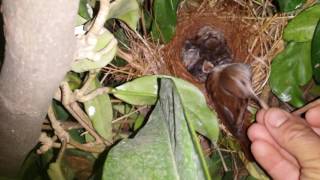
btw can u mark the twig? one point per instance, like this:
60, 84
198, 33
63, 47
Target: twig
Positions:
47, 143
89, 147
305, 108
128, 115
80, 92
224, 164
127, 57
93, 94
62, 150
101, 17
68, 125
64, 137
58, 130
68, 100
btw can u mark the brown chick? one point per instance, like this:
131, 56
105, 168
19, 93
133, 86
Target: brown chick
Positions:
204, 51
226, 85
208, 58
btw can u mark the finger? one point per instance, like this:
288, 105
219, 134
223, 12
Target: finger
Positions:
273, 162
260, 116
295, 136
313, 117
258, 132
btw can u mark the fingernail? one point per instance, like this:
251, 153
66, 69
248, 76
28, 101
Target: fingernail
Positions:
277, 117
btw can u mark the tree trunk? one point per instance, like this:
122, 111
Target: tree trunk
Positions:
39, 49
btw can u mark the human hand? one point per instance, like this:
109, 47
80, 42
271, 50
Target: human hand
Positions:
287, 146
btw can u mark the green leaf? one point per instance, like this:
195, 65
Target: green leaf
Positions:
125, 10
73, 80
301, 28
99, 110
290, 5
60, 112
166, 148
315, 54
61, 171
106, 46
165, 19
83, 11
143, 91
34, 166
289, 70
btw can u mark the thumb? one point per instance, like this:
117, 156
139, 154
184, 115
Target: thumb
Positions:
294, 135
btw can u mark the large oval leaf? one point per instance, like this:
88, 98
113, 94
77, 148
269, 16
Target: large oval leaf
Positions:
315, 53
165, 19
290, 5
301, 28
141, 91
144, 90
289, 70
125, 10
166, 148
99, 109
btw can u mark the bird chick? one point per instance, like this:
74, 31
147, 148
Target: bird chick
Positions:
208, 58
206, 50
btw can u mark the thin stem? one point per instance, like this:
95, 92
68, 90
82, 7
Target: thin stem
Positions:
101, 17
128, 115
62, 150
305, 108
89, 147
93, 94
75, 110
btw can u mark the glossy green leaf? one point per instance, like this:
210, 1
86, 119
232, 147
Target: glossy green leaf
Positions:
166, 148
315, 54
75, 134
125, 10
290, 5
34, 166
73, 80
289, 70
99, 110
59, 170
143, 91
83, 11
106, 45
59, 111
301, 28
165, 19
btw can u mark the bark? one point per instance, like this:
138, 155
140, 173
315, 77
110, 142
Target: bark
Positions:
39, 49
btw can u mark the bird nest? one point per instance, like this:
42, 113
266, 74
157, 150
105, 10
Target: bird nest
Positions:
252, 29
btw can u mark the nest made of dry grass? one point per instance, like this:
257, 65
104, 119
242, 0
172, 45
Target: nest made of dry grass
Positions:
252, 29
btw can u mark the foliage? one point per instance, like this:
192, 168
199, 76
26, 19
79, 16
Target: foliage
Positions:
291, 69
165, 19
125, 10
315, 54
104, 49
301, 27
289, 5
99, 110
144, 91
166, 148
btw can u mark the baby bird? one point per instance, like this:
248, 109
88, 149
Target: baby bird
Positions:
206, 50
208, 58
